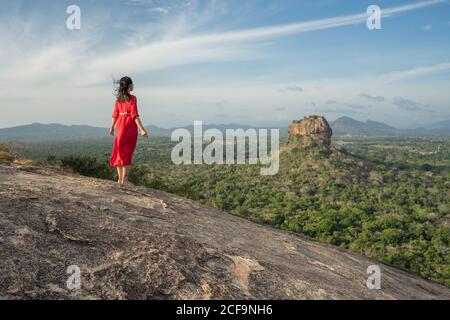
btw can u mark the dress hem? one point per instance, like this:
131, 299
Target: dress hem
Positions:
120, 164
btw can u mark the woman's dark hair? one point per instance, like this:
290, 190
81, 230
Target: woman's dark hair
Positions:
122, 90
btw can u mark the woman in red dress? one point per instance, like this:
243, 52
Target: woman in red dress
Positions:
126, 119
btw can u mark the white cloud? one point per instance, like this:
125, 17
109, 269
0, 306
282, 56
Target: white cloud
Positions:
223, 46
139, 2
190, 49
292, 88
414, 72
163, 10
427, 27
372, 98
409, 105
61, 70
161, 7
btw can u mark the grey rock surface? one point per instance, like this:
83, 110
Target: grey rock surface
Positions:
138, 243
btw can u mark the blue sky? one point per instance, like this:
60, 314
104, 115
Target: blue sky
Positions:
256, 62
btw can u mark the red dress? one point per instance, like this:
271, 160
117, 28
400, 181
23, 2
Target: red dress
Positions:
127, 132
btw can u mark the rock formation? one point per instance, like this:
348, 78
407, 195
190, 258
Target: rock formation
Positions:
311, 129
138, 243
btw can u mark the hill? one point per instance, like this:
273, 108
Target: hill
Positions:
138, 243
54, 132
38, 131
350, 126
441, 127
347, 125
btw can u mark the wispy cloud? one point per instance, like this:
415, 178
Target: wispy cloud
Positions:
313, 25
427, 27
160, 7
293, 88
65, 65
414, 72
373, 98
409, 105
354, 106
162, 10
224, 46
336, 110
139, 2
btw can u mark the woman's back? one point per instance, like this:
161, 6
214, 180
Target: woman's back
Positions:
126, 108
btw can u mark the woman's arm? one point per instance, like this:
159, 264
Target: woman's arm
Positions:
113, 124
115, 116
141, 127
135, 115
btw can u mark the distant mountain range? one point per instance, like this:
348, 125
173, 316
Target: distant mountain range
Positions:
342, 126
52, 132
349, 126
38, 131
442, 125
